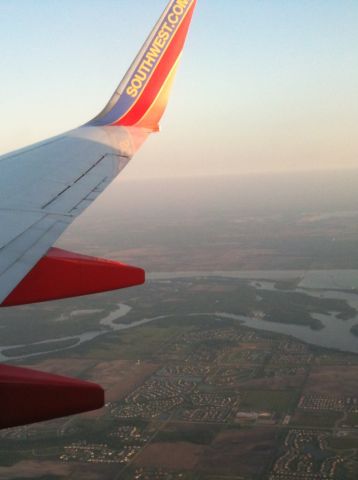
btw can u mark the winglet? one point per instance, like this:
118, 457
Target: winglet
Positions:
142, 96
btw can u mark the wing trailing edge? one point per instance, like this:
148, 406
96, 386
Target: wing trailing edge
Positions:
141, 98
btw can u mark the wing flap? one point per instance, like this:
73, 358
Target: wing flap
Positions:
30, 179
105, 168
16, 224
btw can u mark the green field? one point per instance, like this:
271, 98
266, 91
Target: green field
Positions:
279, 401
316, 420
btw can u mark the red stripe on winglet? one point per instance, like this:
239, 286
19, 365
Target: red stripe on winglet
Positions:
159, 76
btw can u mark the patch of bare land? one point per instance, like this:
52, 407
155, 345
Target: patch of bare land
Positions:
33, 469
333, 381
70, 367
239, 452
120, 377
172, 456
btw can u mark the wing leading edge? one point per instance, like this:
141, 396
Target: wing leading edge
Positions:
44, 187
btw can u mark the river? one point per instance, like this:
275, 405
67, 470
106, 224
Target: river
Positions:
335, 334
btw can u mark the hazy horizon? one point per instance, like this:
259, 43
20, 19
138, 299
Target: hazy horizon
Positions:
262, 86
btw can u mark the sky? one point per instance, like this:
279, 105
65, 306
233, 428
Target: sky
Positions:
264, 85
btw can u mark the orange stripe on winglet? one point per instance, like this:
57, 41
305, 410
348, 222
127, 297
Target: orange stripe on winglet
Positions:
152, 117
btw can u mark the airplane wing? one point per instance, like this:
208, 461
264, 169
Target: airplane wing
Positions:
44, 187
